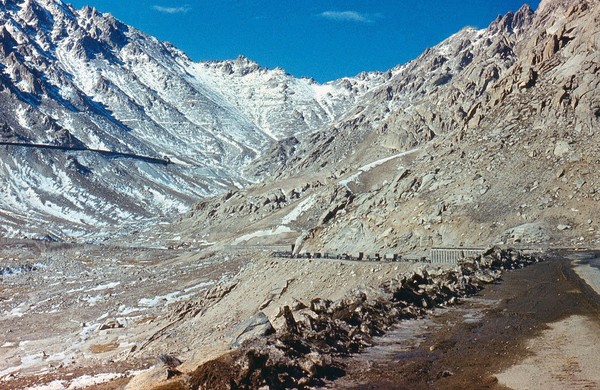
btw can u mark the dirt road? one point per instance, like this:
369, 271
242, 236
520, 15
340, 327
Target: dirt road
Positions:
535, 328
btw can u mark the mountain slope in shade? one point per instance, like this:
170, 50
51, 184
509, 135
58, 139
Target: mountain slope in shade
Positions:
79, 78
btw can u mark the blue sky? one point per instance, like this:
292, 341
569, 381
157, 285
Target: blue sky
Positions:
324, 39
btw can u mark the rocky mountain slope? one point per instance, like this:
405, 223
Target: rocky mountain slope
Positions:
82, 79
489, 137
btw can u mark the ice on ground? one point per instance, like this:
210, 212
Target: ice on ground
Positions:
199, 286
299, 210
26, 362
262, 233
124, 310
105, 286
93, 300
368, 167
90, 380
54, 385
17, 311
81, 382
167, 298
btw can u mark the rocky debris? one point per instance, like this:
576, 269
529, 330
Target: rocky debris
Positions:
527, 233
28, 267
192, 308
169, 360
304, 349
254, 327
220, 291
340, 198
111, 324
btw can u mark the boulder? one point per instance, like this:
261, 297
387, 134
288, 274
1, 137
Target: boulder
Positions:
111, 324
562, 148
256, 326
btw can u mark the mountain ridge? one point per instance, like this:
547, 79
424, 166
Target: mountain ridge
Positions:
81, 78
502, 145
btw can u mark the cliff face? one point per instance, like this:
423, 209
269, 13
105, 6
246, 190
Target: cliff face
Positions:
501, 129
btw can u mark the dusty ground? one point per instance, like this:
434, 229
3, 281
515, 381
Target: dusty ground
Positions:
536, 329
267, 285
82, 310
539, 319
94, 315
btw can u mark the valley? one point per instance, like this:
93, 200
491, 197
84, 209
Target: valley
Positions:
166, 223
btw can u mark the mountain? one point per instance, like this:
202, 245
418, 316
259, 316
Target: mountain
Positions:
492, 131
179, 130
489, 137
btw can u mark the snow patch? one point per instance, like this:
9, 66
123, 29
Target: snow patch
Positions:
301, 208
105, 286
262, 233
368, 167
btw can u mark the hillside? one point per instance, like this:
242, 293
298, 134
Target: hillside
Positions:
489, 137
82, 79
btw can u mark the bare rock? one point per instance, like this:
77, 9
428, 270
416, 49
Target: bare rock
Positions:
111, 324
562, 148
256, 326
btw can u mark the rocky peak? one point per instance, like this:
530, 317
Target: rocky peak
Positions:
7, 42
512, 22
34, 15
103, 27
241, 66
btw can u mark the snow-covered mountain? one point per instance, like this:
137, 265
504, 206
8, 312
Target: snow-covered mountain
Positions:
82, 79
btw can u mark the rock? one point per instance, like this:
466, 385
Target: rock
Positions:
256, 326
427, 181
111, 324
319, 305
220, 291
562, 148
445, 373
311, 363
169, 360
529, 232
563, 227
290, 323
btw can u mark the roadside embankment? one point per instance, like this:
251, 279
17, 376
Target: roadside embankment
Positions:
301, 344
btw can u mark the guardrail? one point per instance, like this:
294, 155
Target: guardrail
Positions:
453, 255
